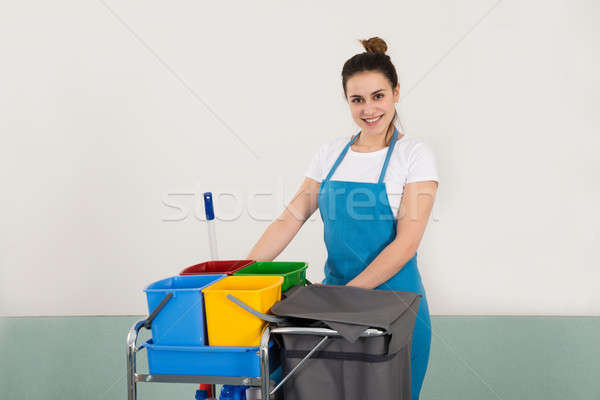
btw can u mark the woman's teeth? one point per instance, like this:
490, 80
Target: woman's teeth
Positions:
373, 120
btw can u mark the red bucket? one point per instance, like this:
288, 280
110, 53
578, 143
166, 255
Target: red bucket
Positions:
216, 267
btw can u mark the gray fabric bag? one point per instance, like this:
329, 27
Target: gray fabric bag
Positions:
349, 367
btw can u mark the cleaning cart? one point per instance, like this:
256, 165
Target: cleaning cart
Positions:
258, 364
351, 362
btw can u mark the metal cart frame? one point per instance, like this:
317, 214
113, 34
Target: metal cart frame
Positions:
133, 377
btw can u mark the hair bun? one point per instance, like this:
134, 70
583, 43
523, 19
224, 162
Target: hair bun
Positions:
374, 45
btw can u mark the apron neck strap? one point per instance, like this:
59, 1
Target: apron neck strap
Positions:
388, 155
352, 140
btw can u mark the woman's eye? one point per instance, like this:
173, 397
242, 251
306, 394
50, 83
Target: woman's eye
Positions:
376, 96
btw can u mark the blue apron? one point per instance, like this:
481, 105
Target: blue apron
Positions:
358, 224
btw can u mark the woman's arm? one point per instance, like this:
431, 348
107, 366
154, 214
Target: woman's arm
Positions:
413, 214
281, 231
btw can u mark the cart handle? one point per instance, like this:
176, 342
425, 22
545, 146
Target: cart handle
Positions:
264, 317
163, 303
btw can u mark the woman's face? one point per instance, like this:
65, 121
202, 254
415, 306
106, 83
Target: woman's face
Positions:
370, 96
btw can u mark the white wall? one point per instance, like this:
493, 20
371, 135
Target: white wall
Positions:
109, 107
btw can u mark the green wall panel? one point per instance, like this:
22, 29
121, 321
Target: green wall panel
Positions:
479, 358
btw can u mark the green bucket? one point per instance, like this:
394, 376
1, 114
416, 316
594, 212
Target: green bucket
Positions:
294, 273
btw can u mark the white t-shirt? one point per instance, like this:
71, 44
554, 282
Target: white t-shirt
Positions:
411, 161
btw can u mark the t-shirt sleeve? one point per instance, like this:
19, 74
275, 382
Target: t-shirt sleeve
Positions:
422, 165
315, 168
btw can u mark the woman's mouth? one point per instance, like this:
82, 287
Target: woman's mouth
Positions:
372, 121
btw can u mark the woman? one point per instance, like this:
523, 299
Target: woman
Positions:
371, 235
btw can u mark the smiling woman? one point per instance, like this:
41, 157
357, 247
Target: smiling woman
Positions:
375, 191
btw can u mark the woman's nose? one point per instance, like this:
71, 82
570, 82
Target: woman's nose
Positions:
368, 108
368, 111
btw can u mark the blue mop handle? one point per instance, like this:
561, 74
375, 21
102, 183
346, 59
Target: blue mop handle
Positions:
208, 206
210, 222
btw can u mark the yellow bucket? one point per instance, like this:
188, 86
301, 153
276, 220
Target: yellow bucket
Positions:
230, 325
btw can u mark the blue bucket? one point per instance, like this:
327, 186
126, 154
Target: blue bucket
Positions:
181, 322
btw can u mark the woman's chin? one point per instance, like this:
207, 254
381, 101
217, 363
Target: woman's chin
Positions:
369, 130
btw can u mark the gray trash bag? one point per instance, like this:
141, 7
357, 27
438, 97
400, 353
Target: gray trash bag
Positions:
349, 367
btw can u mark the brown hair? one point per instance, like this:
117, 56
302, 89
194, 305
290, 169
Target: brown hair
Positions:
372, 59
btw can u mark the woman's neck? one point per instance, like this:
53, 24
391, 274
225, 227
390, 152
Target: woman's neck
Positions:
371, 142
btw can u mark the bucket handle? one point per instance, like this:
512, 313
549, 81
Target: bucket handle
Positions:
264, 317
163, 303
